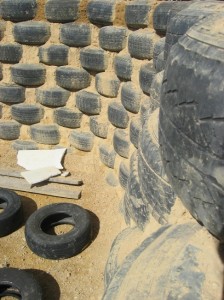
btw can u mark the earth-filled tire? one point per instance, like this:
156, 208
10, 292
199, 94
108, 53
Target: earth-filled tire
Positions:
117, 115
123, 66
141, 44
54, 55
28, 74
107, 84
10, 53
82, 140
94, 59
51, 97
11, 93
9, 130
146, 75
124, 173
101, 12
69, 118
17, 10
121, 143
45, 134
135, 130
99, 126
89, 103
75, 35
27, 113
24, 145
113, 38
58, 11
107, 155
137, 14
131, 97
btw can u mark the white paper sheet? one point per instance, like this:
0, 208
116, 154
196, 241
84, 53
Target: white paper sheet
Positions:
40, 175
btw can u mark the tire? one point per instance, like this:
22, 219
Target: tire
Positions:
98, 126
134, 202
94, 59
32, 33
10, 53
124, 173
52, 97
123, 66
113, 38
27, 113
100, 12
20, 284
145, 110
83, 141
155, 90
28, 74
135, 129
199, 152
182, 258
45, 134
117, 115
66, 117
2, 29
72, 78
12, 93
158, 48
24, 145
137, 14
88, 103
121, 143
146, 76
62, 12
131, 97
111, 179
11, 217
160, 63
17, 10
107, 84
55, 55
75, 35
107, 155
141, 44
161, 15
9, 130
63, 246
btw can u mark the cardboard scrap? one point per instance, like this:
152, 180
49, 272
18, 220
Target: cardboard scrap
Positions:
40, 175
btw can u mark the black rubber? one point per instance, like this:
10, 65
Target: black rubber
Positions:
52, 97
27, 113
124, 173
45, 134
89, 103
12, 216
137, 14
155, 90
9, 130
145, 109
98, 126
158, 48
32, 33
82, 140
94, 59
135, 129
19, 284
123, 66
28, 74
146, 76
121, 143
117, 115
62, 11
101, 12
141, 44
12, 93
10, 53
75, 35
56, 55
131, 97
72, 78
161, 15
68, 118
58, 247
107, 84
18, 10
113, 38
160, 62
24, 145
107, 155
189, 117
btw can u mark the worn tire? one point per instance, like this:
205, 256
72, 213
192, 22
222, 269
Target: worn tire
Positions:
137, 14
55, 55
45, 134
12, 216
57, 11
141, 44
113, 38
155, 90
10, 53
161, 16
98, 126
28, 74
107, 84
88, 103
135, 129
146, 76
63, 246
124, 173
117, 115
145, 109
131, 97
27, 113
17, 10
121, 143
158, 48
12, 93
52, 97
107, 155
24, 145
94, 59
100, 12
160, 63
9, 130
66, 117
75, 35
123, 66
83, 141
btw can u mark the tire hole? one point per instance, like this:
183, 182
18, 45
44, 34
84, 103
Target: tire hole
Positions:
9, 292
58, 224
3, 205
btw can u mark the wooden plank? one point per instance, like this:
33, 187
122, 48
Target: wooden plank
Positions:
60, 180
19, 184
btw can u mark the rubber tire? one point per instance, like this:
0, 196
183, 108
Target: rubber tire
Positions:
17, 10
100, 12
131, 97
45, 134
57, 11
98, 127
145, 109
9, 130
158, 48
94, 59
24, 145
107, 84
135, 129
75, 35
124, 173
13, 280
113, 38
137, 14
88, 103
141, 44
155, 90
28, 74
123, 66
34, 33
12, 215
161, 16
107, 155
63, 246
27, 113
160, 63
146, 76
121, 143
52, 97
72, 79
83, 141
10, 53
55, 55
117, 115
68, 118
11, 93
